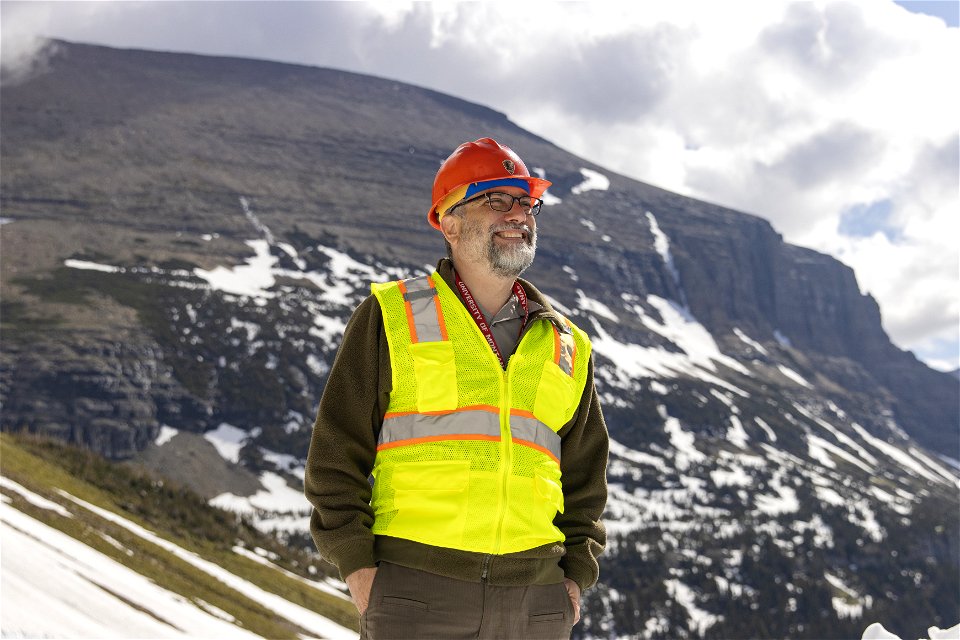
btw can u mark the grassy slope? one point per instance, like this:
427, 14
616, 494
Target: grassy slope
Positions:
175, 514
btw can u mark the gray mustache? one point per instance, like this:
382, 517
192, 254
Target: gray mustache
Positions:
511, 227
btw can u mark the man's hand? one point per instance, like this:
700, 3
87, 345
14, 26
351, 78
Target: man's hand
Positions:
573, 590
360, 582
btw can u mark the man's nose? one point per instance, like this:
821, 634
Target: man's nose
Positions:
516, 213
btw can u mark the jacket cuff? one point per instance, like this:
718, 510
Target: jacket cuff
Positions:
353, 555
580, 566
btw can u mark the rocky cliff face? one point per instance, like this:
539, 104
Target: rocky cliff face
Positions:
184, 238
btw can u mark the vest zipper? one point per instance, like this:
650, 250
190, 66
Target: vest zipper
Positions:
506, 454
506, 437
486, 567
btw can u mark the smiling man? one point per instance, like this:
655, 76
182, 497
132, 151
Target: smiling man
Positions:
470, 402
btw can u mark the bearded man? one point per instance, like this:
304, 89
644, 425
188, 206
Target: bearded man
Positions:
471, 405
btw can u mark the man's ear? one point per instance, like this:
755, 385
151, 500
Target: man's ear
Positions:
450, 226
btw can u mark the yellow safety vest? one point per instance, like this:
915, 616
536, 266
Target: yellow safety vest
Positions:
468, 455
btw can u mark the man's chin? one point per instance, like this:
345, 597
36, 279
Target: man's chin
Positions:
513, 265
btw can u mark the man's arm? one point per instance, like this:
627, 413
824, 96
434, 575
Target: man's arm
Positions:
344, 443
584, 446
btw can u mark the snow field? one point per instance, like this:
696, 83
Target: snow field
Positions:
55, 586
304, 618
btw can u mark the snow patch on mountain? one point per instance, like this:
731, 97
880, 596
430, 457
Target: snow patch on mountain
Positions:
228, 440
639, 457
734, 476
822, 451
595, 307
548, 198
661, 244
698, 357
736, 434
317, 366
782, 500
794, 376
91, 266
165, 435
750, 342
766, 429
276, 497
700, 620
837, 434
256, 277
861, 514
822, 533
683, 330
877, 631
255, 221
592, 181
783, 340
848, 604
905, 460
686, 452
251, 329
253, 278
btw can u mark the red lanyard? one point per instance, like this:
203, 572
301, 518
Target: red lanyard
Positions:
474, 310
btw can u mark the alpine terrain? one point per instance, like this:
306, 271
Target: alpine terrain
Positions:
184, 238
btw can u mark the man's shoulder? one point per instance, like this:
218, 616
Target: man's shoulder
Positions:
368, 311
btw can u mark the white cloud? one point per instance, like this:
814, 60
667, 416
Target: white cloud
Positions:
802, 113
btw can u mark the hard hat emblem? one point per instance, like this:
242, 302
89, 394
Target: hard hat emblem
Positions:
509, 166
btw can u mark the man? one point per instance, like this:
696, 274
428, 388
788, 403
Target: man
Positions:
471, 403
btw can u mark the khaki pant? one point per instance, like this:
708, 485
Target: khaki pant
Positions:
408, 604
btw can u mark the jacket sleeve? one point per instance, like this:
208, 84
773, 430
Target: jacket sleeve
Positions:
344, 443
583, 455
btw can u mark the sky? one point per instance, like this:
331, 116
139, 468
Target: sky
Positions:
836, 121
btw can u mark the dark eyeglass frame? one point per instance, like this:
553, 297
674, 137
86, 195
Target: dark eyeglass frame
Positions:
535, 203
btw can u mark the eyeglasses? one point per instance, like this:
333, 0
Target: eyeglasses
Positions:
502, 202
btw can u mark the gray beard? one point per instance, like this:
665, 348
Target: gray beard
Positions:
504, 261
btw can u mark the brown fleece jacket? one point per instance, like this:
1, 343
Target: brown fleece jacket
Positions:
344, 446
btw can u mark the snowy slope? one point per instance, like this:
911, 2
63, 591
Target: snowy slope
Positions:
56, 586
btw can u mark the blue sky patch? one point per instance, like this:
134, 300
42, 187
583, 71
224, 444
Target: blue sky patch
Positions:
946, 10
864, 220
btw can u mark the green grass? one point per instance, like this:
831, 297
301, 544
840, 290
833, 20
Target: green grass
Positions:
17, 322
44, 466
64, 285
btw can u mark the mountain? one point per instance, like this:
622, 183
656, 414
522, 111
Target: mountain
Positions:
184, 238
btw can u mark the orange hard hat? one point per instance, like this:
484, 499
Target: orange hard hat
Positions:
472, 165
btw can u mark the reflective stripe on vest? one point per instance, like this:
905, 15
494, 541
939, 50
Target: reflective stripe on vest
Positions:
423, 310
467, 423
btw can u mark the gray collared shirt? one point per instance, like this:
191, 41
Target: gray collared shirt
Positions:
506, 324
